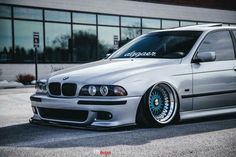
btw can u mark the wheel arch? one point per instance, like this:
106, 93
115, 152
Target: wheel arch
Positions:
173, 88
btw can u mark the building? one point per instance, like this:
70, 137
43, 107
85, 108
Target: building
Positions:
79, 31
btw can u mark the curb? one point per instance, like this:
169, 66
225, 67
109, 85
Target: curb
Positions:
14, 87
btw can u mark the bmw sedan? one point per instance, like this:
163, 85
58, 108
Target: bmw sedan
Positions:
153, 80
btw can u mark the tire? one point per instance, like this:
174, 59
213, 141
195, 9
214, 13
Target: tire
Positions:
159, 106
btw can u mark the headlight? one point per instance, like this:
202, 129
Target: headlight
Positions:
92, 90
102, 90
41, 87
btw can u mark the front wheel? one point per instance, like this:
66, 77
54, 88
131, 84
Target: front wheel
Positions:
158, 106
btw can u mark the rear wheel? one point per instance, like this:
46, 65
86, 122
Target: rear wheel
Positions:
158, 106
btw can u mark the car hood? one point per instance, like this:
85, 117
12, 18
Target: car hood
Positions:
109, 71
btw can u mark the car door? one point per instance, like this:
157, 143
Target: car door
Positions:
214, 83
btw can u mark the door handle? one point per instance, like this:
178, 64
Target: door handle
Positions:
234, 68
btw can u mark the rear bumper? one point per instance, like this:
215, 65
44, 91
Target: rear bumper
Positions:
102, 112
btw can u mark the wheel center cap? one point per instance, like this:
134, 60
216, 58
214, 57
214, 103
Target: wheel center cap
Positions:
156, 102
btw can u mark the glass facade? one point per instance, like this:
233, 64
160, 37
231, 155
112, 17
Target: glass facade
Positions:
5, 11
145, 30
170, 24
24, 48
57, 42
84, 43
60, 16
202, 23
84, 18
70, 36
108, 20
106, 38
187, 23
28, 13
151, 23
6, 52
130, 21
128, 34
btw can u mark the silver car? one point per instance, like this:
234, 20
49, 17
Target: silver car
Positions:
159, 77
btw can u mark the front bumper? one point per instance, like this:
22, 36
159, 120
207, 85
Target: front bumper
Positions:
122, 111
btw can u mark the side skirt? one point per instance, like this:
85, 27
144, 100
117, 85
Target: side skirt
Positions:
206, 113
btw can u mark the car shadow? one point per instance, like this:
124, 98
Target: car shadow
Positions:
39, 136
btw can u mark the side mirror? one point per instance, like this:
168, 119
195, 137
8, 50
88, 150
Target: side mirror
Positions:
205, 57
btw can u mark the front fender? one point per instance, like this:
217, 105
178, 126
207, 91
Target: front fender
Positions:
178, 76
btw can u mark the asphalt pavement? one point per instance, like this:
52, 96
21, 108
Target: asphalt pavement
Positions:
215, 137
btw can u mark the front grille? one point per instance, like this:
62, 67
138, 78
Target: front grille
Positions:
55, 88
61, 114
66, 89
69, 89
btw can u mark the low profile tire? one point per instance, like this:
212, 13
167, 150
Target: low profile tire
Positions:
158, 107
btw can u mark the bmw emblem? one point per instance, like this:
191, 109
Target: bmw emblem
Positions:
65, 78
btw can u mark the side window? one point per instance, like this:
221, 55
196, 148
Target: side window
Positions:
219, 42
234, 34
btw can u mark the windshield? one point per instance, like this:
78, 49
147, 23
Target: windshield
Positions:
171, 44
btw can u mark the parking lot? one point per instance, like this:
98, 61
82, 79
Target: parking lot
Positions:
215, 137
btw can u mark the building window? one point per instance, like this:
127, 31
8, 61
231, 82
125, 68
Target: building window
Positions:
108, 20
6, 53
130, 21
107, 37
202, 23
127, 34
5, 11
84, 43
170, 24
58, 42
24, 50
151, 23
60, 16
187, 23
84, 18
28, 13
145, 31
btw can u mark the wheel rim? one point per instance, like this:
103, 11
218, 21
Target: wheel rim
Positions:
162, 103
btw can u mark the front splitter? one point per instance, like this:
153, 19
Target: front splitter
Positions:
83, 127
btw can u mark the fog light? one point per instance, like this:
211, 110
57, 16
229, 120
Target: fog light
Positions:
103, 115
92, 90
